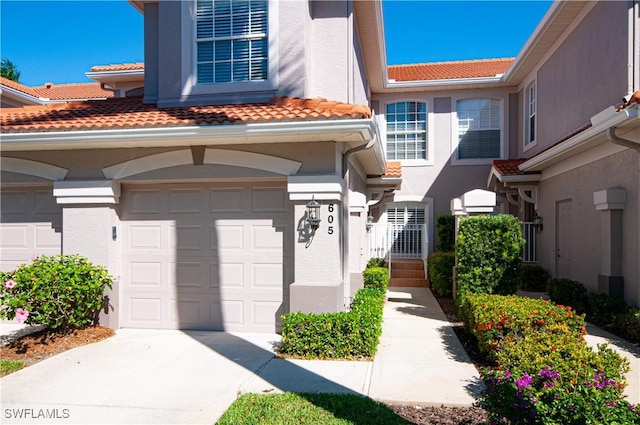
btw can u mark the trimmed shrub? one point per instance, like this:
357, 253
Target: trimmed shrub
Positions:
493, 319
568, 292
376, 262
489, 253
446, 228
602, 309
440, 269
534, 277
545, 372
343, 335
627, 325
376, 277
61, 292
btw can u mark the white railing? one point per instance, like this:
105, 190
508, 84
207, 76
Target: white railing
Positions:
529, 249
398, 241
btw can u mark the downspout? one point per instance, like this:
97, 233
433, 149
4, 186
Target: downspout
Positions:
613, 138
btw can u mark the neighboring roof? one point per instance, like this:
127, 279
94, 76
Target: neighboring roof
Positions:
449, 70
507, 166
72, 91
127, 113
394, 169
17, 86
118, 67
60, 91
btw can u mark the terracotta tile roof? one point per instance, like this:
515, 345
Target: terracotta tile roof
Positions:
507, 166
449, 70
60, 91
118, 67
72, 91
17, 86
125, 113
394, 169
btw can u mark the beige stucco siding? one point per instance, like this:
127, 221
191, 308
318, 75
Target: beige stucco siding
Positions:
578, 186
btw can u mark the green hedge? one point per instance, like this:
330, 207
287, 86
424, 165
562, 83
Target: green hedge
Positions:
568, 292
61, 292
440, 270
376, 262
446, 228
534, 277
376, 277
545, 372
489, 253
343, 335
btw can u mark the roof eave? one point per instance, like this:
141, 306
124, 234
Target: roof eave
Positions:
22, 97
581, 141
443, 82
116, 76
354, 131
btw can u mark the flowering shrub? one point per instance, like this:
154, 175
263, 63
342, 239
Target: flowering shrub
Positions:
494, 318
61, 292
546, 397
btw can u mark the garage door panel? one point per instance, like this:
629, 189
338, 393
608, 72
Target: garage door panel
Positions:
226, 200
145, 274
145, 201
224, 263
269, 199
145, 311
30, 225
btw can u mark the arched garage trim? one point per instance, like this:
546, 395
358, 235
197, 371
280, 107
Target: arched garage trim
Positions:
33, 168
212, 156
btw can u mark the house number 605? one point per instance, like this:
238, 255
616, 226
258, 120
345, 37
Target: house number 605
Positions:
330, 219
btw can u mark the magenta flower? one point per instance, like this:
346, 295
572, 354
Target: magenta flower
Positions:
21, 315
525, 381
9, 284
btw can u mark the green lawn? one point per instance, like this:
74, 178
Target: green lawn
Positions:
9, 366
308, 409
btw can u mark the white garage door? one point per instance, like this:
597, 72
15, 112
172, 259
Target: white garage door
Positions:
30, 225
200, 256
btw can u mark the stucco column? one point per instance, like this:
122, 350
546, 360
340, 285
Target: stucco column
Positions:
318, 285
611, 203
90, 229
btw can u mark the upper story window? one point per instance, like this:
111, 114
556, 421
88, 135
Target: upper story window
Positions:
479, 128
232, 40
530, 117
406, 130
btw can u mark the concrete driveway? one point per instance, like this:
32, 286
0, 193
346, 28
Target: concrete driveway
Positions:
153, 377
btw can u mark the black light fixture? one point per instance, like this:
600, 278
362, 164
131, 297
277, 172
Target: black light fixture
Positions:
537, 223
369, 223
313, 214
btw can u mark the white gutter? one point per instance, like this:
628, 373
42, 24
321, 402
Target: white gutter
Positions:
550, 156
391, 84
24, 97
123, 75
184, 136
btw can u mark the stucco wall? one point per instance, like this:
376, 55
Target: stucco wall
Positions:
578, 185
587, 73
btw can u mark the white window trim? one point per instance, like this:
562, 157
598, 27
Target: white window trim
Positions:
190, 85
526, 144
455, 136
429, 161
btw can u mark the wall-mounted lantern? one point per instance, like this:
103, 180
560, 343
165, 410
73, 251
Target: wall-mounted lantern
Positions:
313, 214
537, 223
369, 223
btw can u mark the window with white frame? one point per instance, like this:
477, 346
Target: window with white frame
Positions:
406, 130
530, 117
479, 128
232, 43
405, 213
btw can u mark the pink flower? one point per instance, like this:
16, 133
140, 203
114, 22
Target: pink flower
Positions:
9, 284
21, 315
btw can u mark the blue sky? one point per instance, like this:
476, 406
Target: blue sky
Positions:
58, 41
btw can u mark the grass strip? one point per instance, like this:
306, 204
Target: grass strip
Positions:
308, 409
